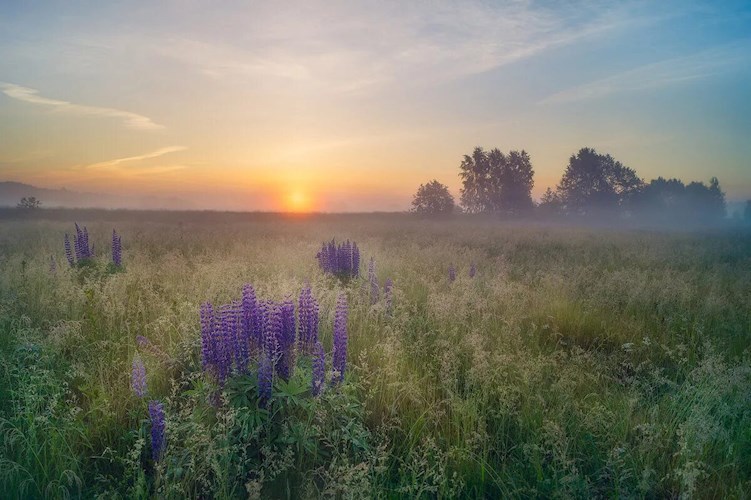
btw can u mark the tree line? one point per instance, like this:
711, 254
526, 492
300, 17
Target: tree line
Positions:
592, 185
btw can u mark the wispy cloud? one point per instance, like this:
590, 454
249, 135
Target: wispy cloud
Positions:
26, 94
660, 74
117, 163
352, 48
130, 159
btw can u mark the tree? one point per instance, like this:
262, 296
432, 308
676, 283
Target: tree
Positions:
29, 203
550, 203
493, 181
747, 212
594, 182
433, 198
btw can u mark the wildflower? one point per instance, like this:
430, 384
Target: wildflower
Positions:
340, 338
208, 340
117, 256
138, 377
226, 341
319, 369
271, 331
472, 270
81, 244
250, 318
265, 379
156, 416
307, 311
68, 251
286, 340
452, 273
342, 260
355, 260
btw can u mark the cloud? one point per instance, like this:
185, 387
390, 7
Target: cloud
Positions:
146, 156
349, 48
25, 94
660, 74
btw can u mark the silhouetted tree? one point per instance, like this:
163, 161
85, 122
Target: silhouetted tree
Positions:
550, 203
28, 203
495, 182
433, 198
705, 203
670, 201
747, 212
594, 182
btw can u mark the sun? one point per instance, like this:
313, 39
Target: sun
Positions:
297, 201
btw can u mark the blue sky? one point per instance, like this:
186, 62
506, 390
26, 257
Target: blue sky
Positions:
351, 105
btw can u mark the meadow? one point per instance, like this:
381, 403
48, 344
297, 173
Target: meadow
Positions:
575, 363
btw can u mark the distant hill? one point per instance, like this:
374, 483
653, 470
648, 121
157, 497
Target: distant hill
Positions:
12, 192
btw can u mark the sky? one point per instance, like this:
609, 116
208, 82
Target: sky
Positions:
350, 106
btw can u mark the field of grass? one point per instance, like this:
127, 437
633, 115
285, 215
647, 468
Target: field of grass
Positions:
576, 363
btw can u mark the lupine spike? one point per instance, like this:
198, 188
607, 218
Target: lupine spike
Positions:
319, 369
138, 377
68, 251
265, 379
340, 338
271, 331
156, 416
355, 260
250, 317
286, 340
452, 273
342, 260
472, 270
208, 341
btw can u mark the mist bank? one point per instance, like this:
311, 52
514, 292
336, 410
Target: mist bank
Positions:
400, 221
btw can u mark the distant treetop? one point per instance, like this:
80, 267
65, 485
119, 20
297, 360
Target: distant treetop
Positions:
433, 198
27, 203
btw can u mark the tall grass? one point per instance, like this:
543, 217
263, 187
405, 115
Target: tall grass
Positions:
576, 362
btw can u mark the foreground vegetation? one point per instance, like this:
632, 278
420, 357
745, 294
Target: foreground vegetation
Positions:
576, 363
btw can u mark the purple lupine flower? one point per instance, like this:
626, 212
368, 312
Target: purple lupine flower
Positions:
78, 242
452, 273
355, 260
208, 338
251, 334
307, 312
138, 377
340, 338
342, 260
272, 331
81, 244
117, 249
53, 265
68, 251
286, 340
472, 270
265, 379
225, 342
319, 369
375, 289
142, 341
87, 252
156, 416
388, 293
